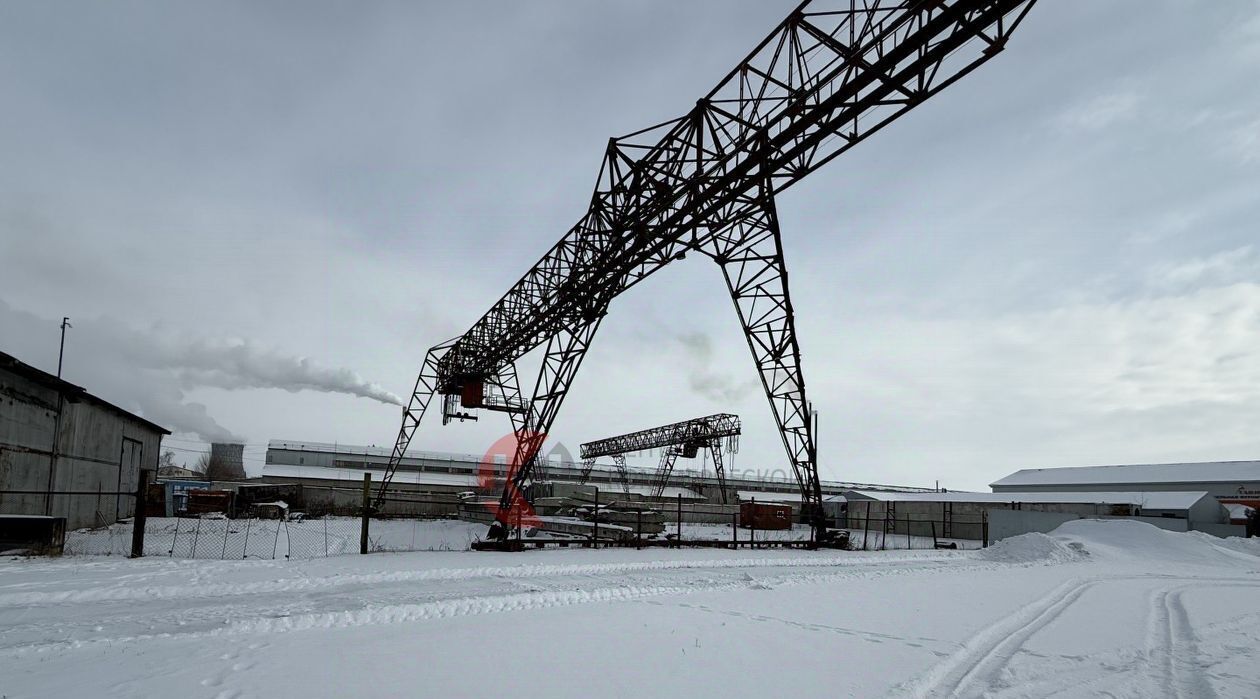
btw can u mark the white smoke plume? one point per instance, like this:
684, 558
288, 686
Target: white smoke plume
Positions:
717, 386
150, 371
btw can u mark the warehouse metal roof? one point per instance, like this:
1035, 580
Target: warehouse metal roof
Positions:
761, 496
1155, 500
1135, 474
355, 475
70, 392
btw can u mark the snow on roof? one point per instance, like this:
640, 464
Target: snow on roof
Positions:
669, 492
1136, 474
746, 495
355, 475
1155, 500
1238, 510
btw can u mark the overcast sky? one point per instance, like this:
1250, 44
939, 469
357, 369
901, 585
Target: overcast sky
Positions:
258, 216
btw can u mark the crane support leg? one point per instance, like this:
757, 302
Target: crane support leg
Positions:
715, 449
623, 472
563, 356
421, 397
666, 467
751, 257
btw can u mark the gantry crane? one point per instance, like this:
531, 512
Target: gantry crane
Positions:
831, 74
714, 434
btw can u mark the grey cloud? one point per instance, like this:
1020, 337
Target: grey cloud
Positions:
1102, 111
704, 378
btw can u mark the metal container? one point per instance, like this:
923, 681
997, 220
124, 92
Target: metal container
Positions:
755, 515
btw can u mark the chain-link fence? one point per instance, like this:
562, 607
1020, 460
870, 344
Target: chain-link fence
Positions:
257, 524
251, 537
53, 522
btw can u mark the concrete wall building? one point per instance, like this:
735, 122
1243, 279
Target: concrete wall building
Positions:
1227, 481
55, 436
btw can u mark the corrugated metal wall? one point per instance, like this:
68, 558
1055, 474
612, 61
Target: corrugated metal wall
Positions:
99, 450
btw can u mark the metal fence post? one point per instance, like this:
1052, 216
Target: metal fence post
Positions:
680, 519
196, 536
275, 543
984, 529
245, 551
175, 537
138, 521
866, 524
638, 526
595, 536
367, 506
227, 531
752, 525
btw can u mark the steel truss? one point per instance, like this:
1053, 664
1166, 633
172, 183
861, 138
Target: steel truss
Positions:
713, 433
619, 462
830, 75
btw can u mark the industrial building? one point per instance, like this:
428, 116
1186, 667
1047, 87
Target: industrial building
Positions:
429, 472
1227, 481
999, 515
57, 437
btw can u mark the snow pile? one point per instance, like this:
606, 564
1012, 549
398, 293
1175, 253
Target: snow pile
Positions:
1129, 540
1249, 546
1123, 540
1032, 548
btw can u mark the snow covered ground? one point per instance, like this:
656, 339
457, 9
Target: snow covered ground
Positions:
1112, 608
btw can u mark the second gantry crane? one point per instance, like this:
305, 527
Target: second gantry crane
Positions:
713, 434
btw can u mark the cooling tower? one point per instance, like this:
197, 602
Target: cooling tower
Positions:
227, 461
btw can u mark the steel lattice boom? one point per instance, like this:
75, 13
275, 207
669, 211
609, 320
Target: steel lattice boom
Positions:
831, 74
696, 430
684, 439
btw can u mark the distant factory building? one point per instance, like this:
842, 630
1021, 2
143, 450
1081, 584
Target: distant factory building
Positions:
1228, 481
314, 462
55, 436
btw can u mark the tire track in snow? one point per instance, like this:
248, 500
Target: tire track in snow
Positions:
263, 623
1172, 645
1159, 668
1123, 671
973, 671
988, 652
1187, 667
137, 591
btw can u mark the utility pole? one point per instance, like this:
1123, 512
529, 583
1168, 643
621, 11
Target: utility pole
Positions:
61, 353
56, 436
818, 523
